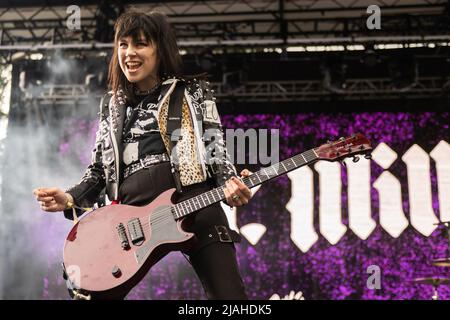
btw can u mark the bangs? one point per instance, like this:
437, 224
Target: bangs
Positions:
133, 25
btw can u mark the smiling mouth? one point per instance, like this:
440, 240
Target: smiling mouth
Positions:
133, 66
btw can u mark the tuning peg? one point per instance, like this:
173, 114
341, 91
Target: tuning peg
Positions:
355, 159
368, 156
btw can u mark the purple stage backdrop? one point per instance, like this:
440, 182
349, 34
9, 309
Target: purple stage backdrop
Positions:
336, 260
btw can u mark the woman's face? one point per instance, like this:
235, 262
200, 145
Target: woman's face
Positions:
138, 61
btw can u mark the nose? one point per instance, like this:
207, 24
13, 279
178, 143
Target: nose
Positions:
131, 51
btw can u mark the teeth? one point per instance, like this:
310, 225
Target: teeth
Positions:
133, 64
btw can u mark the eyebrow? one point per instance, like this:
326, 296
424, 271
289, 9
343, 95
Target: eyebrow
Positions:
138, 40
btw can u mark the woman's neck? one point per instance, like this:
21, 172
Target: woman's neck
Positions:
147, 84
148, 89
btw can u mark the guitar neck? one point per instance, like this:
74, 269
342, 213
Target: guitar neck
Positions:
208, 198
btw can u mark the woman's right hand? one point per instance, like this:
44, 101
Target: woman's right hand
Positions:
51, 199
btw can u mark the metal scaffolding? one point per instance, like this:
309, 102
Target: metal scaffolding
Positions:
225, 23
272, 91
246, 26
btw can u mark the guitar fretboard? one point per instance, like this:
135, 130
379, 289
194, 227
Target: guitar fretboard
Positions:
208, 198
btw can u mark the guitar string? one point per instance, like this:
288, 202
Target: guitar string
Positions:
189, 206
306, 157
164, 214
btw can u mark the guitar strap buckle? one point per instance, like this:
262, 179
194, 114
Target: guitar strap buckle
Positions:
223, 234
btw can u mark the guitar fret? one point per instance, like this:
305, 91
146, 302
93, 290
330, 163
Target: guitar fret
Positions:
202, 202
216, 192
182, 212
280, 169
189, 202
205, 199
292, 162
304, 158
272, 172
308, 156
210, 197
259, 178
254, 177
315, 154
199, 205
188, 206
265, 173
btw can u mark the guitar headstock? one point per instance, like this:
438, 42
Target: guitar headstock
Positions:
345, 147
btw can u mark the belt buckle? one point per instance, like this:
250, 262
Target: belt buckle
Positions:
223, 234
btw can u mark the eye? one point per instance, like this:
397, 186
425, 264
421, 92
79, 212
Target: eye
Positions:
122, 45
142, 44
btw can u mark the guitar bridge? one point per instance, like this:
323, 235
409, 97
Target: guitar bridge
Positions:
123, 236
136, 232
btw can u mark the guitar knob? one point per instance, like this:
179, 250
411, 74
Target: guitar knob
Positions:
116, 272
355, 159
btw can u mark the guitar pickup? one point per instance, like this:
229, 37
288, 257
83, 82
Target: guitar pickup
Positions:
136, 232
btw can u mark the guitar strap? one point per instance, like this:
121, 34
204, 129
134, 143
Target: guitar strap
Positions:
174, 117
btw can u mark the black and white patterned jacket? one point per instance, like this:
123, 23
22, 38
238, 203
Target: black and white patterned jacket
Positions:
106, 168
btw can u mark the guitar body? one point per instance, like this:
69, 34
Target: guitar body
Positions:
97, 263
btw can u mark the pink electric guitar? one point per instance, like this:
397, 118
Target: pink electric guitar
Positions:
111, 249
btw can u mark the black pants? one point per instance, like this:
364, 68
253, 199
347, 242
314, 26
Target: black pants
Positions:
215, 262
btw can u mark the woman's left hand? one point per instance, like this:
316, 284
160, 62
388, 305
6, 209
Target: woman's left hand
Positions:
236, 192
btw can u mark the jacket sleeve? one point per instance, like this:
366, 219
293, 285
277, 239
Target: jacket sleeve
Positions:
88, 190
217, 156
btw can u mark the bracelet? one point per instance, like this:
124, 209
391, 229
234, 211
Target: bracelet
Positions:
69, 204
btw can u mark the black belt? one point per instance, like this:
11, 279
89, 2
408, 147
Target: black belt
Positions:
214, 234
145, 162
